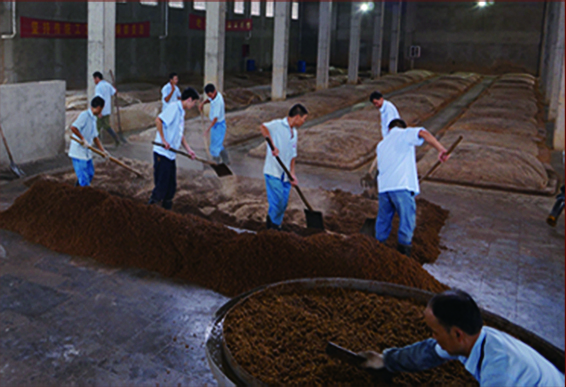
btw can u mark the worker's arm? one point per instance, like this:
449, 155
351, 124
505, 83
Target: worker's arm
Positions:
442, 152
173, 90
99, 145
294, 180
214, 121
412, 358
78, 134
159, 125
201, 105
188, 148
265, 133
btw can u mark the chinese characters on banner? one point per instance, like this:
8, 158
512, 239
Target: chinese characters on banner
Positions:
36, 28
199, 23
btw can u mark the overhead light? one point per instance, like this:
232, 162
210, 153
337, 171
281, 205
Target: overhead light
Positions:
364, 7
482, 4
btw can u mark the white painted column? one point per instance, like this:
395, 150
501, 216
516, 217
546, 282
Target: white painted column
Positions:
215, 43
395, 34
355, 34
101, 41
324, 34
556, 66
559, 125
280, 50
377, 47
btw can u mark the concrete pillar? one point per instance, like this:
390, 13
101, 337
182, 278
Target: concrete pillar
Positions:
395, 34
215, 43
59, 60
556, 65
101, 41
544, 46
324, 34
355, 35
549, 40
9, 74
377, 47
280, 50
559, 125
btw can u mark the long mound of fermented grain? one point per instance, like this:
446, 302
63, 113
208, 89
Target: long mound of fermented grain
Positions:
123, 232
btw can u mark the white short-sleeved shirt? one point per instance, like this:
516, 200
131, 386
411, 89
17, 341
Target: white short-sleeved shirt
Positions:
165, 92
506, 362
396, 160
217, 108
106, 91
173, 119
388, 113
285, 139
86, 124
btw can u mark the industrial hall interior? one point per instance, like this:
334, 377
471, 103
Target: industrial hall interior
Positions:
281, 193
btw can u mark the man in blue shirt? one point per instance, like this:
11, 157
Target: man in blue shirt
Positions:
105, 90
217, 126
170, 92
283, 135
170, 132
494, 358
84, 129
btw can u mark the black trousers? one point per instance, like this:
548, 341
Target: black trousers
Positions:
165, 178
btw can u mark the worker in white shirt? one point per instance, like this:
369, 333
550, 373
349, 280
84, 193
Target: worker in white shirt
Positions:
493, 357
388, 113
283, 135
217, 127
84, 129
170, 92
397, 180
105, 90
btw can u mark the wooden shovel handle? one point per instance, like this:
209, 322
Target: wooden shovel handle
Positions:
303, 198
113, 159
185, 154
437, 164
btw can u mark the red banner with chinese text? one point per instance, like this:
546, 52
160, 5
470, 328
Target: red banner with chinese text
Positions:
37, 28
199, 23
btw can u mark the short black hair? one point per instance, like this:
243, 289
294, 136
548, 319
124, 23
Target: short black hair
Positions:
375, 95
456, 308
298, 110
397, 123
97, 74
191, 93
172, 75
209, 88
97, 102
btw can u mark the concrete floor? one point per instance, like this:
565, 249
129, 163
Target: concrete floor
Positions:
71, 321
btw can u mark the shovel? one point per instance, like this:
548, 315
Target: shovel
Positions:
17, 171
113, 159
314, 218
220, 169
369, 225
352, 358
122, 138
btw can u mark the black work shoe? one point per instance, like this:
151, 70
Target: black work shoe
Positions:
272, 226
152, 201
167, 204
404, 249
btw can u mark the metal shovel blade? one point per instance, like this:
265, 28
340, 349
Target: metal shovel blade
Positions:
17, 170
369, 227
337, 352
314, 219
221, 170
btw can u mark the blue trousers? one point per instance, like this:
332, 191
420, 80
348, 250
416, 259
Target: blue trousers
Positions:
217, 134
84, 170
277, 197
165, 178
402, 202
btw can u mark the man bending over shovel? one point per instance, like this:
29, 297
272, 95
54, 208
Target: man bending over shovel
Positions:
283, 135
84, 129
398, 182
170, 132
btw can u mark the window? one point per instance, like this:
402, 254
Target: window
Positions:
176, 4
239, 7
269, 8
295, 11
256, 8
199, 5
150, 3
